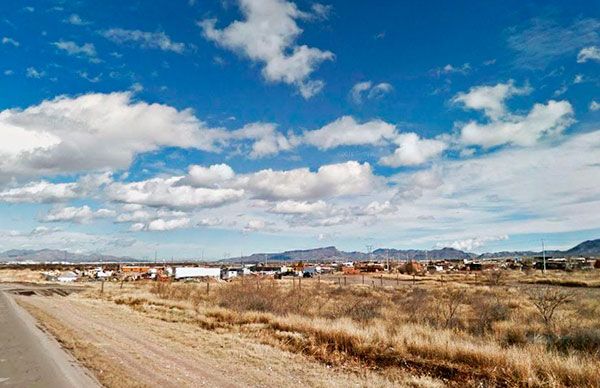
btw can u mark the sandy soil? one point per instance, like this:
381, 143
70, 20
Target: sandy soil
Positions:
126, 348
31, 358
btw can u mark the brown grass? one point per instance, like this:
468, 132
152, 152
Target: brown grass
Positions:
450, 331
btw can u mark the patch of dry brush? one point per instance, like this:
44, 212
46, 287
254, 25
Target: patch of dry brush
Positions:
460, 333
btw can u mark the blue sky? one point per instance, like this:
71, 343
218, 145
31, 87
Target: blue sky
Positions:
242, 126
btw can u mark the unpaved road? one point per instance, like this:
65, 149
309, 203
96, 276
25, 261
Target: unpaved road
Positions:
31, 358
125, 347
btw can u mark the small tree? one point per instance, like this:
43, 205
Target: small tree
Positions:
495, 277
547, 300
449, 305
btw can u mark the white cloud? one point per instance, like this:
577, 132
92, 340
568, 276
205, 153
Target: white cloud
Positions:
32, 72
471, 244
591, 53
160, 192
7, 40
413, 150
72, 48
490, 99
76, 20
295, 207
544, 40
47, 192
350, 178
162, 225
505, 128
153, 40
40, 192
83, 214
450, 69
321, 11
268, 35
267, 141
210, 222
66, 135
594, 106
255, 225
212, 176
372, 92
346, 131
512, 191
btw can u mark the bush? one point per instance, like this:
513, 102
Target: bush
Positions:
583, 339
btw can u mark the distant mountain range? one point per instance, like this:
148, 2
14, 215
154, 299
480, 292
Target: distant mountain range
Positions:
586, 248
54, 255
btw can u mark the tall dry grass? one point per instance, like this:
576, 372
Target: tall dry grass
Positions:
462, 333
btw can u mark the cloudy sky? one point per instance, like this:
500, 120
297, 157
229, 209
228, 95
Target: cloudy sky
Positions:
218, 127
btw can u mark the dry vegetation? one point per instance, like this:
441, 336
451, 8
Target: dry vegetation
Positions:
501, 329
498, 330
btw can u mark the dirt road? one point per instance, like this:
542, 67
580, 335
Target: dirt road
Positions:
31, 358
126, 348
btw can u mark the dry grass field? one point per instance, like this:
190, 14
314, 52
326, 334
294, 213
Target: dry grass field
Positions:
507, 329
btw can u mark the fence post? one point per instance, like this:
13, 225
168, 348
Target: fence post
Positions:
345, 281
381, 280
398, 279
102, 287
121, 283
363, 278
373, 283
207, 287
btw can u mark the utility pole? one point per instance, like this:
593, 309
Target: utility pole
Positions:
544, 255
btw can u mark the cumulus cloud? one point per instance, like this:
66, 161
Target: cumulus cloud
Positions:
168, 192
591, 53
69, 134
212, 176
296, 207
507, 128
72, 48
48, 192
490, 99
40, 192
487, 194
162, 225
266, 140
360, 89
594, 106
413, 150
152, 40
350, 178
80, 215
347, 131
268, 35
471, 244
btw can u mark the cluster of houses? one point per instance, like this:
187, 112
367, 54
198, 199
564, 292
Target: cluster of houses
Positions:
189, 272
